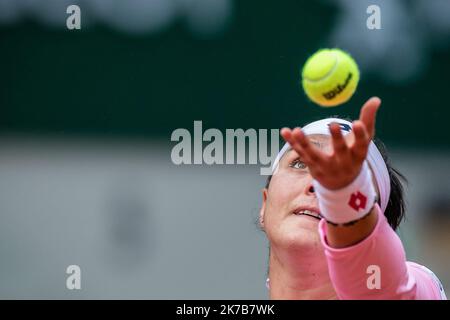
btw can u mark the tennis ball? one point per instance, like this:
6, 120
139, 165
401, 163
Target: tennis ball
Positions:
330, 77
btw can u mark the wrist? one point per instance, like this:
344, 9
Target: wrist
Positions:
350, 203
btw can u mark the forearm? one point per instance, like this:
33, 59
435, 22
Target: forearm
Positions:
344, 236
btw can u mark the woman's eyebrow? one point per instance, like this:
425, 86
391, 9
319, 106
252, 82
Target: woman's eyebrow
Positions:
288, 153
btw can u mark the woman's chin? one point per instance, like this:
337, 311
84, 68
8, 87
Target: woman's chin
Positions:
300, 234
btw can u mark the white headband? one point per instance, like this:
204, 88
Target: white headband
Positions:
374, 157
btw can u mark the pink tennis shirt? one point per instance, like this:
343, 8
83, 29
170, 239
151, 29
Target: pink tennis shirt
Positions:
376, 268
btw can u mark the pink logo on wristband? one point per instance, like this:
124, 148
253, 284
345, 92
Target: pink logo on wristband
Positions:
357, 201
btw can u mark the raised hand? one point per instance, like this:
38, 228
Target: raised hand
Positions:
339, 168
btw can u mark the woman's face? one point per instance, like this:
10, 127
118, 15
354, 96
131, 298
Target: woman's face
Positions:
289, 193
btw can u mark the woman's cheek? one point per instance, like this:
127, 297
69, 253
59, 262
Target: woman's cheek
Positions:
292, 185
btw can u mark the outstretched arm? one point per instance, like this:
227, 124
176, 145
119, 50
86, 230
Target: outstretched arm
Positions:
366, 259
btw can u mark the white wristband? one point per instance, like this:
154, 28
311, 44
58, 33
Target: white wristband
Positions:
349, 203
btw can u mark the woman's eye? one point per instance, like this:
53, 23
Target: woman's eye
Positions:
297, 164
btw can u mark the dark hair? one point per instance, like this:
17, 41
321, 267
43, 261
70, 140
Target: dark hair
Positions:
396, 207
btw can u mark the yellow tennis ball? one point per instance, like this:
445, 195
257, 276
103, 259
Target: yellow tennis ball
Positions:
330, 77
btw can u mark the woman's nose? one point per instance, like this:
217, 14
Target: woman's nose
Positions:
310, 189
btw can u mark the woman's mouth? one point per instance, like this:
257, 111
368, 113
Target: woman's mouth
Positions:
307, 212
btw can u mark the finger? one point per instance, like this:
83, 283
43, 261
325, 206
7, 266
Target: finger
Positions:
312, 154
339, 145
286, 133
368, 114
361, 145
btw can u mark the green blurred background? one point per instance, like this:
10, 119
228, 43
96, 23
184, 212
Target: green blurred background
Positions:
98, 80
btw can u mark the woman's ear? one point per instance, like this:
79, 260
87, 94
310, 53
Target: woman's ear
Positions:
263, 208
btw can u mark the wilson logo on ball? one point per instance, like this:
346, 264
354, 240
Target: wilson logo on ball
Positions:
357, 201
338, 89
